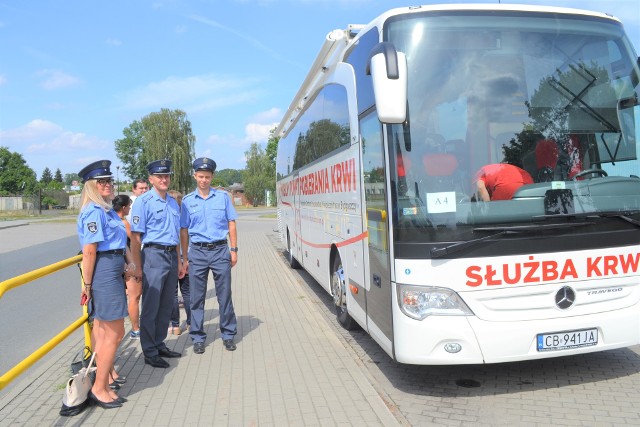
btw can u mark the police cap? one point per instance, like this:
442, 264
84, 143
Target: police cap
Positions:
95, 170
204, 164
160, 167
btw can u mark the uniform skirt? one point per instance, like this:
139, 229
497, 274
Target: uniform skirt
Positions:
108, 290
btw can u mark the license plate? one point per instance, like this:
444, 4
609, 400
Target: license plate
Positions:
567, 340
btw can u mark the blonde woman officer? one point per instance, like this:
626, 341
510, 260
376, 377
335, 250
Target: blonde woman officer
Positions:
103, 239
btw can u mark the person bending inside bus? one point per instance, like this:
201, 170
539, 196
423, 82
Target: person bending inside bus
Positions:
499, 181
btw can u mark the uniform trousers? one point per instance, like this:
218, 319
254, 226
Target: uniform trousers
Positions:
218, 261
159, 282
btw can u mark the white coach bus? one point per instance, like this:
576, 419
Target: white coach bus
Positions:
381, 158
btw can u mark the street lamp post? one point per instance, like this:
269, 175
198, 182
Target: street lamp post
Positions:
118, 178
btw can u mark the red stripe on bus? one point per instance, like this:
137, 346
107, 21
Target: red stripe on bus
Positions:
354, 239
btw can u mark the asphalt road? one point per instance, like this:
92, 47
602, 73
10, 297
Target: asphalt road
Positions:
32, 314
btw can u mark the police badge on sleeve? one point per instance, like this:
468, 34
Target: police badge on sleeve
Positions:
92, 227
136, 219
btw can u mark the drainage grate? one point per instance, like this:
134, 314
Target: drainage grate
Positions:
467, 383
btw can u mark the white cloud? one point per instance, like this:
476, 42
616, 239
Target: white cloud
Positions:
113, 42
3, 79
240, 35
272, 115
42, 136
257, 130
259, 133
67, 141
32, 131
56, 79
46, 144
193, 94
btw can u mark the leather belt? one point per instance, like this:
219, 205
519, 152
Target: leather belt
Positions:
112, 252
159, 246
210, 245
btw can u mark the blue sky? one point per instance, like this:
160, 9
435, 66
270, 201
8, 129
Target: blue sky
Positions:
74, 73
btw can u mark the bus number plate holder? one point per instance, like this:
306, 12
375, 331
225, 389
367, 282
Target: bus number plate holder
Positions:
567, 340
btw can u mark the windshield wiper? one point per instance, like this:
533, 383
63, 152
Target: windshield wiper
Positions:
502, 231
621, 215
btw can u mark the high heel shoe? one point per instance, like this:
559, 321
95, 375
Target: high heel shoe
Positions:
114, 386
105, 405
120, 380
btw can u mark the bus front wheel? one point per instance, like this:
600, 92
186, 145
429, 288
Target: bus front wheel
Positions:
339, 289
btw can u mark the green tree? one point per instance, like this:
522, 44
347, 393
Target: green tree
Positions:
228, 177
58, 176
271, 153
70, 177
15, 176
272, 146
163, 135
322, 137
47, 177
257, 176
130, 151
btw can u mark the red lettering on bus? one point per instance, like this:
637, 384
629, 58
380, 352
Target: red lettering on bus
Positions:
592, 267
629, 264
569, 270
474, 276
549, 270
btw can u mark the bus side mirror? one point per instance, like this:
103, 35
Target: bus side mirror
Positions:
388, 70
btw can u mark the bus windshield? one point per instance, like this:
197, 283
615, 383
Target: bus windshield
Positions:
512, 119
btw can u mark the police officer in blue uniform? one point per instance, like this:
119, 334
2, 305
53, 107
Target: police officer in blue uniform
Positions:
206, 220
155, 225
103, 239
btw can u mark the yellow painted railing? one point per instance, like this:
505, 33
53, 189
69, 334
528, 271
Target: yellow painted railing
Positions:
9, 284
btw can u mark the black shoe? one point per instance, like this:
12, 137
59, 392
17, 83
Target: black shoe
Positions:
156, 362
229, 344
105, 405
120, 380
122, 399
198, 348
114, 386
165, 352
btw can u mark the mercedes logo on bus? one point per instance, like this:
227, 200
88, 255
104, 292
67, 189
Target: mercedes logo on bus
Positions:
565, 297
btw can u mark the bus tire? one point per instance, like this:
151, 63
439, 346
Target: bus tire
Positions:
293, 263
338, 290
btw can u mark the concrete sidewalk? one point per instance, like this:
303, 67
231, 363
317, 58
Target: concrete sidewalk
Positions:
291, 368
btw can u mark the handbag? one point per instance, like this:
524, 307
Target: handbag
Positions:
81, 360
75, 398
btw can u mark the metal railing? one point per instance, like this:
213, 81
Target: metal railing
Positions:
9, 284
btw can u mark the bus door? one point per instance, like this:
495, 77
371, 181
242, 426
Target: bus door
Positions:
296, 235
379, 318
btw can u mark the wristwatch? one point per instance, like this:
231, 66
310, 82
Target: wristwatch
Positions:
234, 249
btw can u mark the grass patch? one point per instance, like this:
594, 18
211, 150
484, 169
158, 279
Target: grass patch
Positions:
30, 215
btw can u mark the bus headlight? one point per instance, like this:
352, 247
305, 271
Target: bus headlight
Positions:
418, 302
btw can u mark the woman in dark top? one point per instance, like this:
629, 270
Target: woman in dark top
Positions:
122, 206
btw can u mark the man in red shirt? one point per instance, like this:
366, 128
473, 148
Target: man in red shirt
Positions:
500, 181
